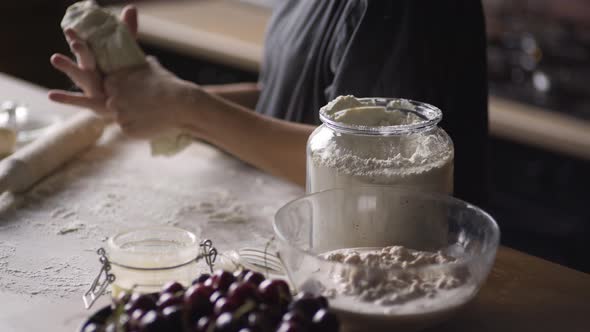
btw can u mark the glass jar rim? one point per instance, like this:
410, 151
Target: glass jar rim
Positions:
153, 247
432, 115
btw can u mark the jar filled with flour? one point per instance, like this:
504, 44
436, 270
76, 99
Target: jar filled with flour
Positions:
380, 141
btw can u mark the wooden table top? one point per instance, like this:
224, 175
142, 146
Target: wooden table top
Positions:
232, 33
526, 293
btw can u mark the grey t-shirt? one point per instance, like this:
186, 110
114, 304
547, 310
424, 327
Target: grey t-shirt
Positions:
431, 51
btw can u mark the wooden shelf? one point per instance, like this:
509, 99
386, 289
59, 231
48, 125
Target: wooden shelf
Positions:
537, 127
225, 32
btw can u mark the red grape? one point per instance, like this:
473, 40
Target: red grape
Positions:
226, 323
91, 327
325, 321
173, 315
275, 292
254, 278
259, 322
308, 306
203, 324
152, 322
173, 287
239, 274
323, 301
128, 308
272, 313
240, 292
135, 318
111, 327
290, 327
216, 296
225, 305
123, 297
169, 299
221, 280
202, 278
143, 302
295, 316
197, 301
137, 314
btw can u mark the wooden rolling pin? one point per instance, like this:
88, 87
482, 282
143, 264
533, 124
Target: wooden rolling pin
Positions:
38, 159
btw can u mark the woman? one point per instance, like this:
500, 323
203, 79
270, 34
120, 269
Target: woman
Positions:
431, 51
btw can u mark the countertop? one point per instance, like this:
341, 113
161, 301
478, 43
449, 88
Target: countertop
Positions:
48, 236
232, 33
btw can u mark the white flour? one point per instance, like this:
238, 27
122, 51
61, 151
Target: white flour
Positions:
334, 167
397, 292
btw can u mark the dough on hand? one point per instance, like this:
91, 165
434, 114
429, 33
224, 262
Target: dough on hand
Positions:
170, 143
115, 48
111, 42
7, 141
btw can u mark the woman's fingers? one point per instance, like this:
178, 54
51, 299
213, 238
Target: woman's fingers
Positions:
68, 67
71, 35
84, 56
76, 99
88, 80
129, 16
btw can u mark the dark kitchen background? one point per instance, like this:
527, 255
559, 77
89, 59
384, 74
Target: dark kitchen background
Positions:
538, 54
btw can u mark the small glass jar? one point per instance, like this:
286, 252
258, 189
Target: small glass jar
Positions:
144, 259
397, 143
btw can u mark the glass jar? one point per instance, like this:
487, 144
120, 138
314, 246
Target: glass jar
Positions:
380, 141
144, 259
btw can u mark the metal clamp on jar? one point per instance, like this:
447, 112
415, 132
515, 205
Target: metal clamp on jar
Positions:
144, 259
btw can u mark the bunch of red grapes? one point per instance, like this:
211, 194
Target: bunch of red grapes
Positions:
223, 302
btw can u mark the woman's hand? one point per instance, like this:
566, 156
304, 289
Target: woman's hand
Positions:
84, 73
148, 100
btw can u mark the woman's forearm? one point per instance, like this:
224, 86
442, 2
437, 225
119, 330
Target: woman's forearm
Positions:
244, 94
273, 145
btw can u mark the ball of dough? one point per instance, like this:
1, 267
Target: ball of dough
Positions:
115, 48
7, 141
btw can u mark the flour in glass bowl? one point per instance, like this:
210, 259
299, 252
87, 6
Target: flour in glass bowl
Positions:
396, 284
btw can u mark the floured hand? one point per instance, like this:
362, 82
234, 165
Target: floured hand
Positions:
149, 100
84, 72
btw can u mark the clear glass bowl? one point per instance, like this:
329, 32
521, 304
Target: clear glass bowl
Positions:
379, 216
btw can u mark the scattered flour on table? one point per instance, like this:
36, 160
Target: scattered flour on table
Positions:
62, 213
215, 206
71, 228
51, 277
48, 243
6, 251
